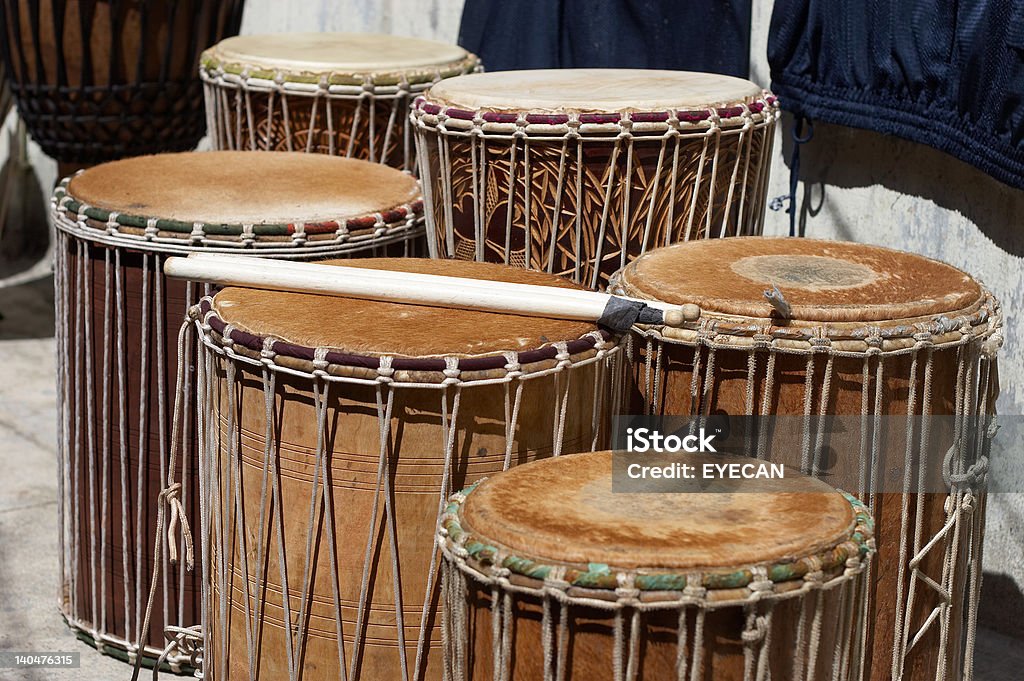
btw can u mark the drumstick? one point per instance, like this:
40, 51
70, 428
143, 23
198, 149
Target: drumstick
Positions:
427, 289
484, 285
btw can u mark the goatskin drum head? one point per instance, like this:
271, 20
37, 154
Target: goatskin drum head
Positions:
334, 52
823, 281
563, 511
369, 327
593, 90
244, 187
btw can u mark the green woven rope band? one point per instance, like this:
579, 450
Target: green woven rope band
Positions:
602, 576
71, 206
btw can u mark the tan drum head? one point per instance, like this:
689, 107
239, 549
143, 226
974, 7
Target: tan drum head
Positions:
592, 90
243, 187
822, 281
334, 52
374, 328
563, 511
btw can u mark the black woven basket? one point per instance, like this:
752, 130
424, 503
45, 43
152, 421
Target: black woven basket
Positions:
97, 80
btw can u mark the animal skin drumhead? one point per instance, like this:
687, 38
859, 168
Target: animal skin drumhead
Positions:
563, 510
826, 281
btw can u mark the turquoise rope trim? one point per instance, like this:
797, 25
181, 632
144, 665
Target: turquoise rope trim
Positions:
602, 576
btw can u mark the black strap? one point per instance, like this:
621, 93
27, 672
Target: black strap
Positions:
620, 314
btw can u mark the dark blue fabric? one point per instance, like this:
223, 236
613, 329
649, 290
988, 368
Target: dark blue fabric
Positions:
693, 35
946, 73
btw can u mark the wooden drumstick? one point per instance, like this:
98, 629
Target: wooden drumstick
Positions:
427, 289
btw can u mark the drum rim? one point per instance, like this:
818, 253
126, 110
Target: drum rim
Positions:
715, 584
438, 370
81, 219
981, 320
429, 115
229, 70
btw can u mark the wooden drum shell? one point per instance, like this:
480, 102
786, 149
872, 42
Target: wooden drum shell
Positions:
121, 318
728, 391
416, 455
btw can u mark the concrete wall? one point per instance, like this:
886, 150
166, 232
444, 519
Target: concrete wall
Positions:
436, 19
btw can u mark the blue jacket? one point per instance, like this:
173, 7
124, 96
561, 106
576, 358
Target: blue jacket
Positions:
693, 35
945, 73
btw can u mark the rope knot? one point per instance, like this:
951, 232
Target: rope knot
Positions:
172, 496
990, 346
451, 370
320, 361
562, 352
267, 352
756, 633
512, 364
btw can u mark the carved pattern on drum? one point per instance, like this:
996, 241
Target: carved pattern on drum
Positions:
357, 117
928, 562
591, 196
322, 485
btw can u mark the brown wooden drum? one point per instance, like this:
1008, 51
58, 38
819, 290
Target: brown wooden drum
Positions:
337, 429
331, 93
900, 345
117, 318
549, 574
577, 171
97, 81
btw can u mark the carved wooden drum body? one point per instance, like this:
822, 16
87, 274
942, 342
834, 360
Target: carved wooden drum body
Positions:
337, 428
343, 94
577, 171
549, 574
97, 81
117, 319
902, 349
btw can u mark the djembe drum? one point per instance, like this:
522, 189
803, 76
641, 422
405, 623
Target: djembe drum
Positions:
576, 172
117, 317
549, 574
330, 93
337, 429
901, 345
97, 81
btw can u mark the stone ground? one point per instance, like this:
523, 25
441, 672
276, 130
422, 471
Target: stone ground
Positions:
29, 618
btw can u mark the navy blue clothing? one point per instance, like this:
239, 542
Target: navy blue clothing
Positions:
945, 73
692, 35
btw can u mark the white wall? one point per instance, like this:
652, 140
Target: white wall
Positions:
436, 19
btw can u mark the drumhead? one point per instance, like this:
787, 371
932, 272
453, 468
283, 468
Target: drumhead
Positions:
356, 53
563, 511
243, 187
374, 328
593, 90
822, 281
